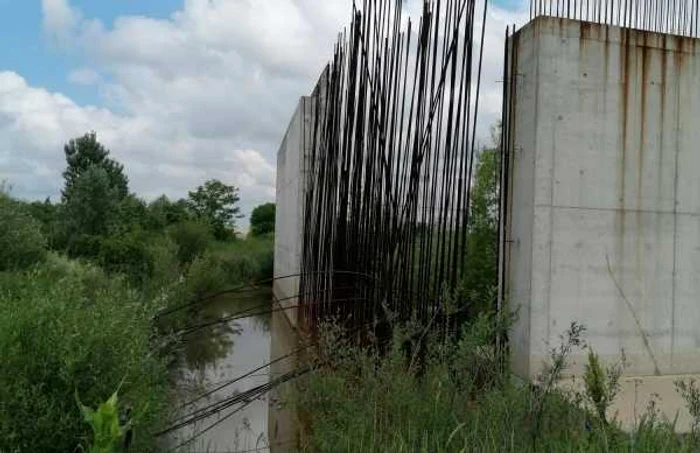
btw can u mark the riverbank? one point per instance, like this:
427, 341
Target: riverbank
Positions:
69, 330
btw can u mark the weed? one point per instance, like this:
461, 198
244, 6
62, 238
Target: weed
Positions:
602, 384
691, 394
109, 434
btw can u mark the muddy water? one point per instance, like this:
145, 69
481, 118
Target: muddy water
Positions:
215, 356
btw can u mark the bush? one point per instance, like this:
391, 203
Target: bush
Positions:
192, 239
206, 275
66, 328
165, 271
248, 260
126, 254
228, 265
22, 242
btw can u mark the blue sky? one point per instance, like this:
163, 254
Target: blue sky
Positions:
27, 51
180, 91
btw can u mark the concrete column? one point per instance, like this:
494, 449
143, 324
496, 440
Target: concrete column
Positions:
605, 202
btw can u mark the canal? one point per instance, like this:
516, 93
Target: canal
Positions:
215, 356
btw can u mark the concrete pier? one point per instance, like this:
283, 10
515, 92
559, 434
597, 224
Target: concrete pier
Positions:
604, 212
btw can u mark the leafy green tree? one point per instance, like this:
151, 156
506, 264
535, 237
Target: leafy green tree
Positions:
481, 276
86, 152
162, 213
43, 211
217, 204
262, 220
131, 214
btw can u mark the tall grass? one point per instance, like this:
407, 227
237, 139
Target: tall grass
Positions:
460, 401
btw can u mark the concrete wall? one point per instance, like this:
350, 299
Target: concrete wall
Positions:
290, 209
605, 200
293, 168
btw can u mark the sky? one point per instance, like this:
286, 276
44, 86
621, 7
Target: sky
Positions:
180, 91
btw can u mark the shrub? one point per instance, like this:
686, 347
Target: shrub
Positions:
162, 253
22, 243
228, 265
126, 254
192, 239
67, 328
205, 275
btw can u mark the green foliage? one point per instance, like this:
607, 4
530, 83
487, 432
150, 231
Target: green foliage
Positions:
690, 391
85, 153
126, 254
602, 384
162, 213
107, 430
206, 275
131, 213
217, 204
262, 220
164, 265
230, 264
90, 209
66, 327
46, 213
22, 242
481, 276
192, 238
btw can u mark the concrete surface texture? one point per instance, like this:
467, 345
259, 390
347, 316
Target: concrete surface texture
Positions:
604, 212
293, 169
290, 208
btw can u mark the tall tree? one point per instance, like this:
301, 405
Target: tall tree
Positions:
85, 152
91, 204
217, 203
162, 213
262, 220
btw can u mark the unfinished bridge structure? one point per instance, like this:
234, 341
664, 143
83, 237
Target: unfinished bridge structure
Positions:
599, 194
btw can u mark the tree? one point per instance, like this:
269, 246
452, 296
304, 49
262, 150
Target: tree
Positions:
162, 213
481, 276
90, 209
86, 152
262, 220
131, 214
217, 204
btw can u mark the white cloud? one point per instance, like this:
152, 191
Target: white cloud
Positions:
84, 76
205, 93
60, 19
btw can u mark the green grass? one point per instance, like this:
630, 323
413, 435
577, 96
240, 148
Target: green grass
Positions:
459, 402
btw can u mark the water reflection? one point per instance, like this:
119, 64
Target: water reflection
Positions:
216, 355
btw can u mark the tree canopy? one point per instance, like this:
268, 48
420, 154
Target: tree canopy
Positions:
84, 153
217, 204
262, 220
